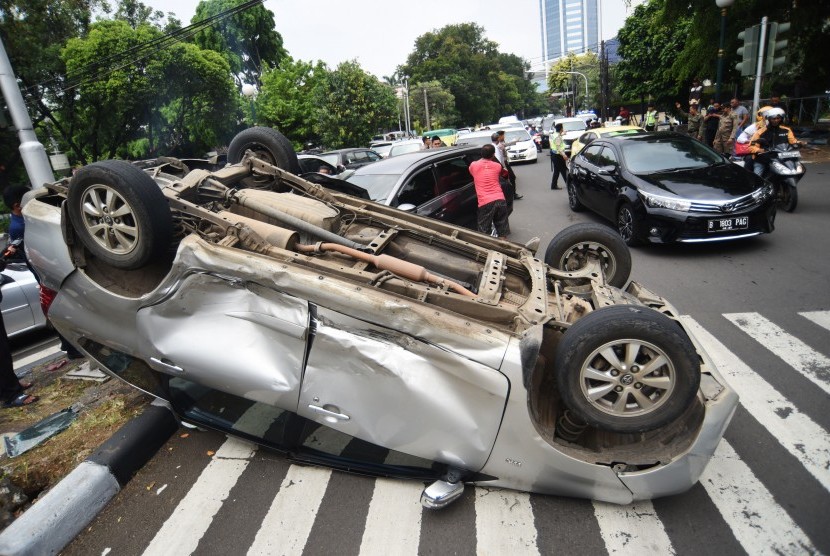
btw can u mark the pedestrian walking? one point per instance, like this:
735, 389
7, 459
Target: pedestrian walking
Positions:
558, 158
492, 204
741, 113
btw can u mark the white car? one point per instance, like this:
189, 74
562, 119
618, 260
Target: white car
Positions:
574, 127
520, 146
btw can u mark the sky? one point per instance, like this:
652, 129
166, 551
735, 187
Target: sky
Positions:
380, 34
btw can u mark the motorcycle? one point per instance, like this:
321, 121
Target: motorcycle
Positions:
784, 169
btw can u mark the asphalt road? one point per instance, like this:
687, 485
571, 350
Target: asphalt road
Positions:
763, 308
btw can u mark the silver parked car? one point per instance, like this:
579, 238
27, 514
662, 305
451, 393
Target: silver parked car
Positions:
352, 334
21, 300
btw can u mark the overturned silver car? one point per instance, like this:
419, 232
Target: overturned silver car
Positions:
353, 335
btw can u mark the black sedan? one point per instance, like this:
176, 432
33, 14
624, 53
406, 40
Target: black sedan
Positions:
666, 187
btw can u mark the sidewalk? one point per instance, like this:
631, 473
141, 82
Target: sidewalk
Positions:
75, 473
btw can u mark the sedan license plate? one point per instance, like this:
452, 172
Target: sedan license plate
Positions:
514, 156
726, 224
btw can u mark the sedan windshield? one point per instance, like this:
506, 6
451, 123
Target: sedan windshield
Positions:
516, 135
379, 186
664, 155
573, 126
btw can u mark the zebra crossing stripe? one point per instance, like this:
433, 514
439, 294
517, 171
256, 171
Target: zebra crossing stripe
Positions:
393, 524
52, 349
821, 318
798, 434
801, 357
181, 532
749, 509
634, 529
504, 523
289, 520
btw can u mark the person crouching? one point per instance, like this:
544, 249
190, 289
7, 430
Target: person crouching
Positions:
492, 206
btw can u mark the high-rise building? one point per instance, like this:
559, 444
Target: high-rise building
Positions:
569, 26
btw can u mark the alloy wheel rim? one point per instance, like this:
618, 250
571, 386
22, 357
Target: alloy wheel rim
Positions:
625, 224
627, 378
109, 219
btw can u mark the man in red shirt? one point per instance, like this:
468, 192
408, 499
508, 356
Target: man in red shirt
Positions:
492, 207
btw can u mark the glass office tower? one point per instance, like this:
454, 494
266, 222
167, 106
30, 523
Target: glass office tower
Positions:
569, 26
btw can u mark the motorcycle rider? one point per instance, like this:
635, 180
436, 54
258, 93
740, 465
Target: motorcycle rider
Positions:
742, 142
768, 137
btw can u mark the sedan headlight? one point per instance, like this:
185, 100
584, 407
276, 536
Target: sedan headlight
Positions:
784, 171
671, 203
764, 193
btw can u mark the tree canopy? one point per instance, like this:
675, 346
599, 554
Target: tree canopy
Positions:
486, 84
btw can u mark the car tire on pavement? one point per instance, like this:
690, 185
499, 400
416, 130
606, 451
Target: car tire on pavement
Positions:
119, 214
573, 201
629, 226
269, 144
569, 250
627, 369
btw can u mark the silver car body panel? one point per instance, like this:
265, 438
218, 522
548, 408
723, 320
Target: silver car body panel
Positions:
387, 368
21, 301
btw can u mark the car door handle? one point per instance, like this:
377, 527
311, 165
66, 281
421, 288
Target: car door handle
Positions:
167, 365
334, 412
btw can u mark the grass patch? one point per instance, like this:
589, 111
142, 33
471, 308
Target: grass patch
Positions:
103, 408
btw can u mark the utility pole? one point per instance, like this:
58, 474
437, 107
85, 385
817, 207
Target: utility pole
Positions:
426, 109
603, 77
31, 150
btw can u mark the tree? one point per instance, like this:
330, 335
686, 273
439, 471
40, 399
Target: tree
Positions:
248, 39
172, 102
287, 99
353, 105
588, 65
649, 49
484, 82
440, 102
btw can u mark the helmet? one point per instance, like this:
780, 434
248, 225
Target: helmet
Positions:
774, 113
763, 111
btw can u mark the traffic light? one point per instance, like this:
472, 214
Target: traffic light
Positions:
749, 51
776, 49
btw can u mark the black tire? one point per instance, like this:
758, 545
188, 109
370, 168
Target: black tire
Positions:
789, 195
570, 248
120, 214
573, 201
269, 144
628, 225
649, 381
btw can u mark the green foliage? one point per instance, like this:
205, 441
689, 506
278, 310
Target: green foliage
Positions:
170, 99
650, 48
486, 84
588, 65
441, 105
352, 106
287, 99
247, 40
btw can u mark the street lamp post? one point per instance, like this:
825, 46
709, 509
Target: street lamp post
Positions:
586, 84
722, 4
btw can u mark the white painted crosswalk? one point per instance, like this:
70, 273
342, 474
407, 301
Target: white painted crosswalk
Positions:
760, 516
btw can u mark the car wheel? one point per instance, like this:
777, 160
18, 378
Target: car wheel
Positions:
627, 369
119, 214
570, 249
628, 226
573, 201
269, 144
789, 195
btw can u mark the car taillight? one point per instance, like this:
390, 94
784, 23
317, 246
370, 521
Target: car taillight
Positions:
47, 296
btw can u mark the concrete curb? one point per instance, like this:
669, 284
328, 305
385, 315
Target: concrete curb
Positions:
62, 513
